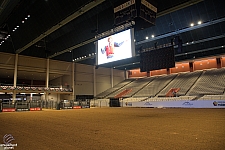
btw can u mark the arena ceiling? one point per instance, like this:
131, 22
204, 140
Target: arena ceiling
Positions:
56, 29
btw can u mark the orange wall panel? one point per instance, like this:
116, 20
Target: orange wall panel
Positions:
184, 67
136, 73
223, 61
158, 72
205, 64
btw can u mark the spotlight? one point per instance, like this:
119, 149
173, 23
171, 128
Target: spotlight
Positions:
25, 18
192, 24
17, 26
153, 36
22, 21
28, 16
199, 22
146, 37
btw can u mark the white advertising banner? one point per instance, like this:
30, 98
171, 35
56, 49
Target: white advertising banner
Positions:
180, 104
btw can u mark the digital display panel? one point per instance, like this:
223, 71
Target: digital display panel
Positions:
115, 47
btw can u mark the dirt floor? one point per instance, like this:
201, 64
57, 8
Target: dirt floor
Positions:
116, 128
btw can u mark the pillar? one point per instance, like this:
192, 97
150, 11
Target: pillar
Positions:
15, 77
47, 78
73, 80
191, 66
125, 74
148, 74
94, 81
112, 77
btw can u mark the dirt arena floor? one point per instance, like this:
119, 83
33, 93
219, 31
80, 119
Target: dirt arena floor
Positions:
116, 128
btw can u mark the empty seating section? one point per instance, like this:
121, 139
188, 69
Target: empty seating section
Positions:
115, 88
155, 86
184, 81
184, 98
131, 99
213, 97
134, 86
198, 85
211, 82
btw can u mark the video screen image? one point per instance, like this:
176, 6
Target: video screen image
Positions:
115, 47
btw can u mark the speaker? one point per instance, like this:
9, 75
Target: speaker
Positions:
142, 12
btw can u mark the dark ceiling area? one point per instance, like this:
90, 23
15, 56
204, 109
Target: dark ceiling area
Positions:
55, 29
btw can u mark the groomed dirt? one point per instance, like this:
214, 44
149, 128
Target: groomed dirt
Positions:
116, 128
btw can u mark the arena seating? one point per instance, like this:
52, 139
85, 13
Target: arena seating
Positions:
198, 85
212, 97
134, 86
152, 89
184, 81
211, 82
115, 88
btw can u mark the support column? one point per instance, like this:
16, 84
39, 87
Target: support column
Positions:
168, 71
47, 78
148, 74
218, 62
191, 66
73, 80
125, 74
15, 77
94, 82
112, 77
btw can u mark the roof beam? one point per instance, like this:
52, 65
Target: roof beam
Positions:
189, 3
78, 13
182, 31
178, 7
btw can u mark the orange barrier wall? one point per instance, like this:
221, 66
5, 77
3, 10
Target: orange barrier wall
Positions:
137, 73
223, 61
205, 64
158, 72
184, 67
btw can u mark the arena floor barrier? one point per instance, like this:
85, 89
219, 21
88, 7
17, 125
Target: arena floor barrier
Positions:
178, 104
8, 107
